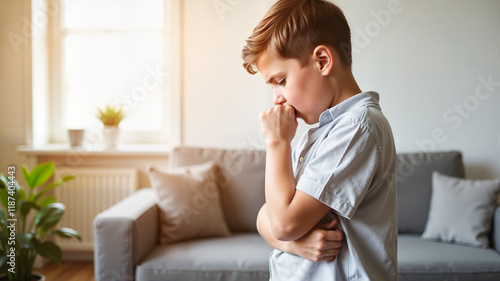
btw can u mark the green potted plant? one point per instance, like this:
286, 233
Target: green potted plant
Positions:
28, 220
111, 117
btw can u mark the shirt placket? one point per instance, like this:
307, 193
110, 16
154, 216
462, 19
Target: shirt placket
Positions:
312, 135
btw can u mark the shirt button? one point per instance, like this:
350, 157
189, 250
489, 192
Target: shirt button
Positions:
301, 159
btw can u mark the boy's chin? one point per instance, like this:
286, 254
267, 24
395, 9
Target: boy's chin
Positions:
308, 121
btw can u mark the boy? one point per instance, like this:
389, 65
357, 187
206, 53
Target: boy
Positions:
345, 167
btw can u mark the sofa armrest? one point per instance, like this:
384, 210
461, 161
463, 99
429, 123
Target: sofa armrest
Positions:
123, 235
496, 229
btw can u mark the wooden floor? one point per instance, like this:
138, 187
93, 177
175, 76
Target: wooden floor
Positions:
68, 271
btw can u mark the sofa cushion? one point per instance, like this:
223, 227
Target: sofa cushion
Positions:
461, 210
240, 257
414, 172
241, 180
425, 260
189, 202
495, 233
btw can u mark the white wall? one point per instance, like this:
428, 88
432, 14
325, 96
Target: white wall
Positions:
14, 83
222, 101
425, 61
424, 57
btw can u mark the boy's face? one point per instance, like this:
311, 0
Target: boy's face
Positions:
303, 87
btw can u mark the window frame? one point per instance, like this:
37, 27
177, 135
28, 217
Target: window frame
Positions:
171, 33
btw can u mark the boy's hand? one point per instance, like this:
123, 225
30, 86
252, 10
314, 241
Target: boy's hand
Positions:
278, 124
322, 243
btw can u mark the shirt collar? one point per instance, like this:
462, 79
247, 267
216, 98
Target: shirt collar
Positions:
356, 101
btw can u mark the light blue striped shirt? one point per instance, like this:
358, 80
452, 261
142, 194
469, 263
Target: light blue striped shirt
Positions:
348, 162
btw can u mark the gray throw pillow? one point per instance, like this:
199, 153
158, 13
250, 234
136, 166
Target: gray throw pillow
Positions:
414, 172
461, 210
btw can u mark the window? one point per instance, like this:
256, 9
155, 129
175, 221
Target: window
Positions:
119, 52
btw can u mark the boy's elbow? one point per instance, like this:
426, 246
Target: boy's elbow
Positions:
286, 232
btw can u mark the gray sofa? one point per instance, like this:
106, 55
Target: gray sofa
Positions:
126, 235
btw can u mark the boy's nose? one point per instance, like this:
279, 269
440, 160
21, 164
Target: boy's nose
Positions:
278, 99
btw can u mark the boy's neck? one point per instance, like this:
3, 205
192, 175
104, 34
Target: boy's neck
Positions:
346, 87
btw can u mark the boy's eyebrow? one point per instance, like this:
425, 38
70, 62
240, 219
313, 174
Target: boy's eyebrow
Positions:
273, 77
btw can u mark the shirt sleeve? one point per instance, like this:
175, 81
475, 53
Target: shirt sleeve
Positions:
342, 169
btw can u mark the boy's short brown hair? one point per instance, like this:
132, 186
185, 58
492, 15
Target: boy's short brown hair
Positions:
293, 28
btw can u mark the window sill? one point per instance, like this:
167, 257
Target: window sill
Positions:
61, 149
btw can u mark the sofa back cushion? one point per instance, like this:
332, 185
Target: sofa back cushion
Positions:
241, 180
414, 172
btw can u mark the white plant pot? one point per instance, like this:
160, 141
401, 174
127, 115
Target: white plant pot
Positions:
110, 137
76, 137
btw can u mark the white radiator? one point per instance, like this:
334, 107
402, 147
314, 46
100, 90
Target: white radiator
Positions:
92, 191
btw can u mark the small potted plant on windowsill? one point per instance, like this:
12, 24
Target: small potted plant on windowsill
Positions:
111, 118
26, 234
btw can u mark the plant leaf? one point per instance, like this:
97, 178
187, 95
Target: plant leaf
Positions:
4, 194
21, 197
26, 206
4, 197
4, 181
3, 237
65, 232
21, 194
49, 216
3, 260
25, 239
48, 250
40, 174
26, 173
3, 227
47, 200
111, 115
3, 219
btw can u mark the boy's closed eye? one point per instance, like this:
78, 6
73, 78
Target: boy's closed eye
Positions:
282, 82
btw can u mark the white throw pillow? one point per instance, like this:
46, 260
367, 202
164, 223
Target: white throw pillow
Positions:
189, 202
461, 210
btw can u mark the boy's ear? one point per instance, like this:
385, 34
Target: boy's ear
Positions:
324, 59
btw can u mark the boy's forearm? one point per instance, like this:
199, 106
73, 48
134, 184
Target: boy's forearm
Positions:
279, 186
322, 243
